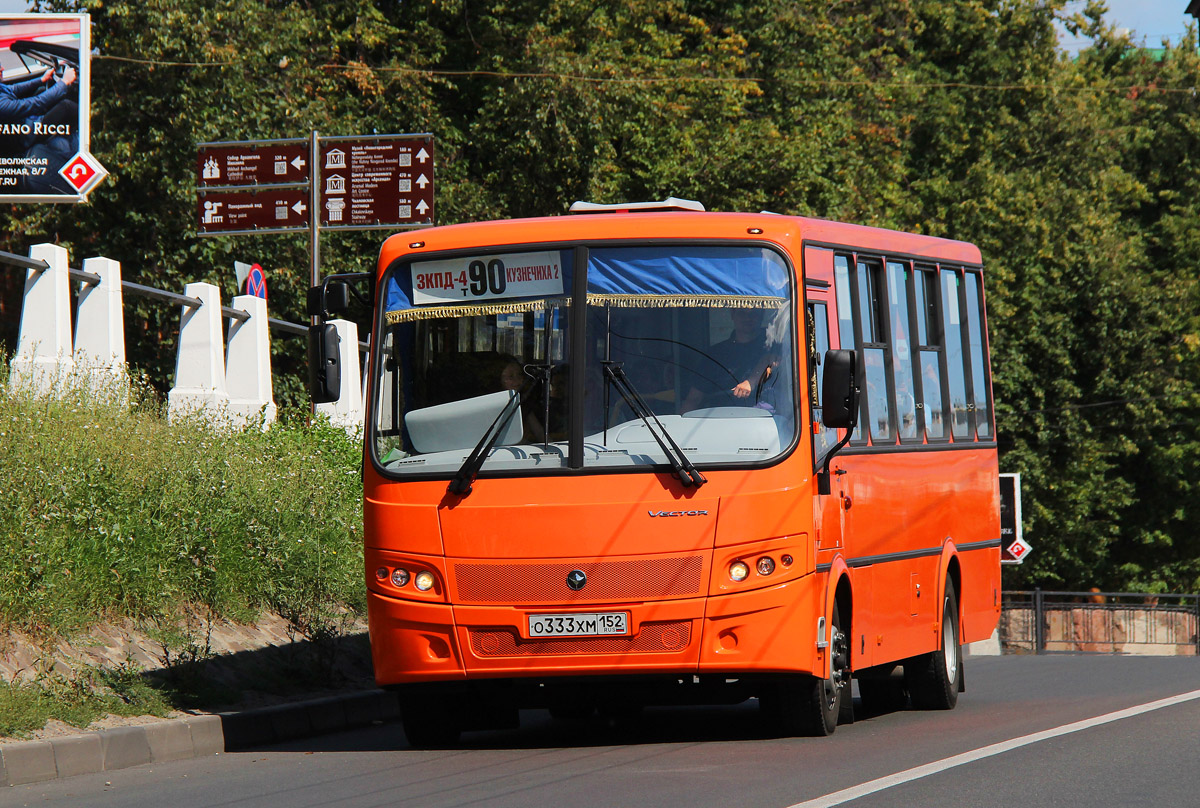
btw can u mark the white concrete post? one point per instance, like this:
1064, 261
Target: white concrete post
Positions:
248, 365
200, 362
42, 362
347, 411
100, 330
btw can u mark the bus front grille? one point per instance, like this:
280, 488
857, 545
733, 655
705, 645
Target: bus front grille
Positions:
530, 583
653, 638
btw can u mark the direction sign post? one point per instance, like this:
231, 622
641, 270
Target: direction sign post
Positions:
294, 185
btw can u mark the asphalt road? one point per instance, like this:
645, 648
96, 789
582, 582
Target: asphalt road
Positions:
987, 752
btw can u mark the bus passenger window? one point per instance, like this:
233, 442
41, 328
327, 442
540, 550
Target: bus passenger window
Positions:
902, 370
960, 415
929, 345
873, 349
983, 416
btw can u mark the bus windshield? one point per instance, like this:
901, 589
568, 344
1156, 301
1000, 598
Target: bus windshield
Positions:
690, 342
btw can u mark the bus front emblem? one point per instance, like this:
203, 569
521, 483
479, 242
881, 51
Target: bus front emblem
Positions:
576, 580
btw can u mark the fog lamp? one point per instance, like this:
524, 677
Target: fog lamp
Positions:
424, 581
738, 571
399, 577
381, 573
766, 565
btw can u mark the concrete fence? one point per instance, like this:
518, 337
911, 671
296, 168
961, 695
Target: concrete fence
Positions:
223, 363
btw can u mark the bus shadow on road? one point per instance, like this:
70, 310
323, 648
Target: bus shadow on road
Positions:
539, 730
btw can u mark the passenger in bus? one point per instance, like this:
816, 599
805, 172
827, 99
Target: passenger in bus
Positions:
746, 359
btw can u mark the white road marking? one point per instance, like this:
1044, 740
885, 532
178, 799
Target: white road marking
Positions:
899, 778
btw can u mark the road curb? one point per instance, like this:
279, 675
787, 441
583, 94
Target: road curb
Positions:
190, 737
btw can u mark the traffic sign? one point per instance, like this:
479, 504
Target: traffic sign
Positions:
1013, 547
261, 210
263, 162
384, 181
82, 172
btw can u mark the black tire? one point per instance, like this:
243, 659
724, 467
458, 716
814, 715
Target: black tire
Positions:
810, 705
430, 722
934, 680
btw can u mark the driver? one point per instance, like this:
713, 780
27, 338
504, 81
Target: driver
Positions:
26, 102
745, 359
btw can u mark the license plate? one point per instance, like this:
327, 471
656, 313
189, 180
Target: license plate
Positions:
597, 624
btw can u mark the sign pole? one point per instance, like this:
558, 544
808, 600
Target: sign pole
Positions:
314, 201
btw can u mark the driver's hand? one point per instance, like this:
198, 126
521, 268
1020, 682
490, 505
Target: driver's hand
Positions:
742, 390
49, 74
69, 76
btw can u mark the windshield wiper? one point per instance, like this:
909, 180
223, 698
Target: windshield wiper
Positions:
461, 484
687, 473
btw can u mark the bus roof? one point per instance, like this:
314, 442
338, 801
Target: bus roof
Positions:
791, 232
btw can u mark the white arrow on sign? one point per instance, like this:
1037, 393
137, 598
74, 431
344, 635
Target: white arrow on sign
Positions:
300, 207
422, 181
422, 207
422, 156
298, 163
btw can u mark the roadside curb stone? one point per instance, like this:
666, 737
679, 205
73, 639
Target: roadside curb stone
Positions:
190, 737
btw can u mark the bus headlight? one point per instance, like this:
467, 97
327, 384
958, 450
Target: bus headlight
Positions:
738, 571
381, 574
399, 577
766, 565
424, 581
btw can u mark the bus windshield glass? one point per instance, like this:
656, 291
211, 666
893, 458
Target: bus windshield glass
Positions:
692, 343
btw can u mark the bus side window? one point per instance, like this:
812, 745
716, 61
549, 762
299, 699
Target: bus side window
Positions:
900, 338
960, 414
874, 353
983, 415
929, 346
846, 339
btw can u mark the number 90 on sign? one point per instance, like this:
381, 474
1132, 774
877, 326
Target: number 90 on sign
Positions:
598, 624
482, 277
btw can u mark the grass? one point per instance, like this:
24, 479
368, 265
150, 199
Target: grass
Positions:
109, 512
78, 700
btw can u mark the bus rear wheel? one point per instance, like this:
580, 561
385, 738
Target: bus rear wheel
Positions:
934, 680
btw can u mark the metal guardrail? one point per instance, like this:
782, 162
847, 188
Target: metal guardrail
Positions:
91, 279
1049, 622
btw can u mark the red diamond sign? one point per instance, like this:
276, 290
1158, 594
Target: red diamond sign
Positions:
1019, 549
83, 172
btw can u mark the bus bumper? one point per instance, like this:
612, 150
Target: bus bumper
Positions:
762, 631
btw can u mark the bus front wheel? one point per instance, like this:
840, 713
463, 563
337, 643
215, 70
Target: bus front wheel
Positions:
810, 705
934, 680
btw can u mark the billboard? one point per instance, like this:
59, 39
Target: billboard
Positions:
45, 78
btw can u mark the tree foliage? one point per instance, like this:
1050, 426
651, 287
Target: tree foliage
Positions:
1079, 179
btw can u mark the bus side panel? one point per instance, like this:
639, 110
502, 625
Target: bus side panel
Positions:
904, 508
980, 604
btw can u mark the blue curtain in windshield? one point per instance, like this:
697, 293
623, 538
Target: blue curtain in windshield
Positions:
691, 271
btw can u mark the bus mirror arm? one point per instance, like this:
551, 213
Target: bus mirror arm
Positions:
839, 395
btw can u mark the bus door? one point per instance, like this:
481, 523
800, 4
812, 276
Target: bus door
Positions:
830, 513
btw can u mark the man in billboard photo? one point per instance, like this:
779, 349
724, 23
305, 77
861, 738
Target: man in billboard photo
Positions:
39, 119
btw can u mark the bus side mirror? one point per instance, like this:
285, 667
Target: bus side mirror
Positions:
839, 391
330, 298
324, 372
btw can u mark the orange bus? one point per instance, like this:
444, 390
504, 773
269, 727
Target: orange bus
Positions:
648, 454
